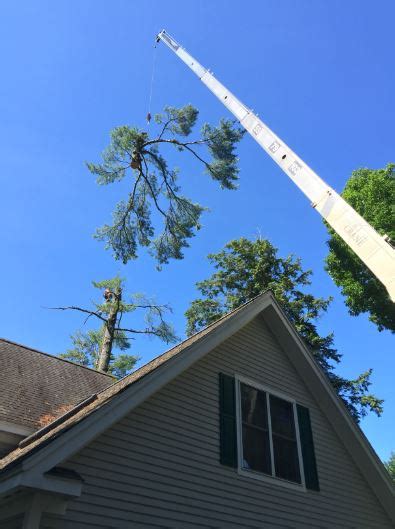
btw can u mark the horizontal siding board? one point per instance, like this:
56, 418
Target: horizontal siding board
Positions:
209, 436
86, 517
168, 427
182, 511
248, 495
141, 512
177, 452
159, 466
176, 443
48, 521
168, 490
14, 522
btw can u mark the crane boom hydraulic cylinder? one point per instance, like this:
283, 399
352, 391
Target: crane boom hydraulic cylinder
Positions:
372, 248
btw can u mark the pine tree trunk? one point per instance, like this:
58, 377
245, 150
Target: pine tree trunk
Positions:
109, 334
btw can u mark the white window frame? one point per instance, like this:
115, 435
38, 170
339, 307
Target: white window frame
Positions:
253, 473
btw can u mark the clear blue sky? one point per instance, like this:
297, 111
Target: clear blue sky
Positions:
321, 74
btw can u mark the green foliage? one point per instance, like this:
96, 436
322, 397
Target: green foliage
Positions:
179, 121
244, 269
122, 365
154, 321
87, 346
221, 143
372, 194
390, 466
154, 185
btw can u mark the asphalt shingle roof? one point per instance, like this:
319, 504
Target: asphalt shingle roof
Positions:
36, 385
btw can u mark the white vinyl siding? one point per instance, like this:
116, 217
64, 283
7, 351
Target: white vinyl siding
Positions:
159, 466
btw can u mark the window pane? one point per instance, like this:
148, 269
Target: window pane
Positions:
256, 449
253, 406
282, 416
286, 460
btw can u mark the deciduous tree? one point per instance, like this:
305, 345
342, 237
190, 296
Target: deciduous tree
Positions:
371, 192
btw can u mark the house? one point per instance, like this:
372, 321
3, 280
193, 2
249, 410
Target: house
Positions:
236, 427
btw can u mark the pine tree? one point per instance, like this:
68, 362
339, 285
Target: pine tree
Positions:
244, 269
95, 348
390, 466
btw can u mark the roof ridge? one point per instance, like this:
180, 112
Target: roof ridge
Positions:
193, 336
53, 356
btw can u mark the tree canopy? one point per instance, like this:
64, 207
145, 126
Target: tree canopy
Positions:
95, 348
372, 194
154, 185
245, 268
390, 465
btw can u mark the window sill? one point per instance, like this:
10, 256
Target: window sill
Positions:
272, 480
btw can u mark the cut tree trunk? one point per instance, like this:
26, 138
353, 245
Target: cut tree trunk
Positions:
109, 333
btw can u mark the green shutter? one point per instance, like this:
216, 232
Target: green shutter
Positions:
307, 445
227, 410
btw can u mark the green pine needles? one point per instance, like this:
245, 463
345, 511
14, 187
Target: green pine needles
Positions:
96, 348
245, 268
154, 185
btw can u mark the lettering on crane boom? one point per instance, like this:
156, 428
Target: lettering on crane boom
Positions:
274, 147
356, 233
257, 129
294, 168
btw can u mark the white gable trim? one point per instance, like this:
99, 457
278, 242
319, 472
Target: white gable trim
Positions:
73, 440
352, 437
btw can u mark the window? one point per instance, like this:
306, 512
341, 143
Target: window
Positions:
255, 430
265, 435
268, 434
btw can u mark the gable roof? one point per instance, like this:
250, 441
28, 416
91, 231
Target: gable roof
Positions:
74, 430
36, 386
97, 399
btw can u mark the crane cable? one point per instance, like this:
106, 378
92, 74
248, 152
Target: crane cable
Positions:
152, 83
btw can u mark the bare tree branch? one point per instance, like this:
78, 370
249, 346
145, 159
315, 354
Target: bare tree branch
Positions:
143, 331
165, 127
86, 311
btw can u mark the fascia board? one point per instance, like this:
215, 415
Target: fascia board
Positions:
37, 481
333, 408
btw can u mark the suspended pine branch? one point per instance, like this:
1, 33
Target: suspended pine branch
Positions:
154, 186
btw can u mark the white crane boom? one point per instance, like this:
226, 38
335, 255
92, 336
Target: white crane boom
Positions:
372, 248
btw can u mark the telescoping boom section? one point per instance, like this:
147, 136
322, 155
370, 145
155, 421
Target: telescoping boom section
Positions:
372, 248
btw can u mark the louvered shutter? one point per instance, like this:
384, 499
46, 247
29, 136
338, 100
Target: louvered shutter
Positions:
307, 445
227, 409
